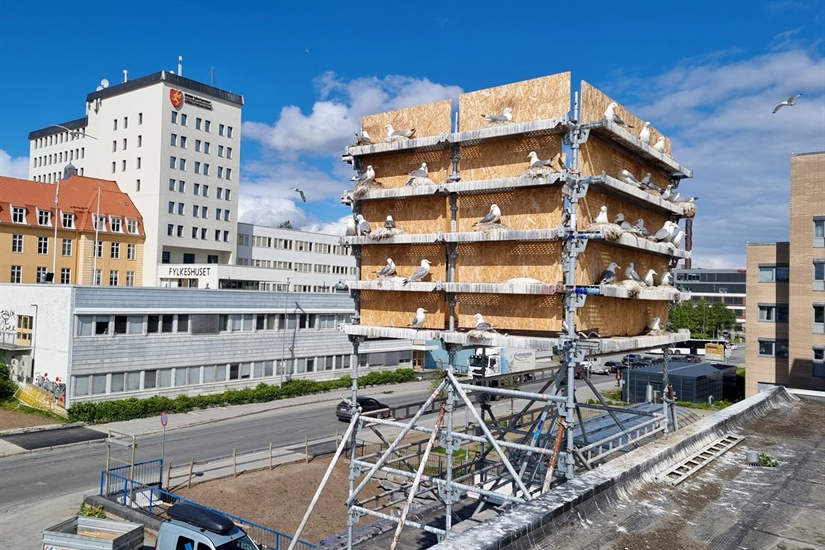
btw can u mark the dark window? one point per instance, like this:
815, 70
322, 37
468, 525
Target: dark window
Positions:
188, 258
165, 259
101, 325
149, 378
120, 324
168, 323
153, 324
212, 259
183, 323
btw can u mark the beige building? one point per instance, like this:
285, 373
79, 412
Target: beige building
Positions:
786, 290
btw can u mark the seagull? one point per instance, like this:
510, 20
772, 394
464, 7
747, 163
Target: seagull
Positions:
363, 138
624, 224
362, 226
366, 177
608, 276
655, 324
667, 193
300, 192
644, 135
388, 269
646, 183
640, 227
627, 177
613, 117
419, 173
535, 162
680, 198
649, 280
389, 223
392, 132
419, 273
676, 240
492, 216
602, 217
660, 144
351, 227
505, 116
790, 102
73, 133
630, 273
481, 324
665, 234
418, 320
666, 279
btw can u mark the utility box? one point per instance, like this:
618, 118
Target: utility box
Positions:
86, 533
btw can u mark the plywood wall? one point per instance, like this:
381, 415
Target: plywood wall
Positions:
393, 170
496, 262
397, 309
430, 119
505, 159
590, 205
511, 311
407, 259
412, 215
535, 99
531, 208
597, 156
597, 256
613, 317
593, 104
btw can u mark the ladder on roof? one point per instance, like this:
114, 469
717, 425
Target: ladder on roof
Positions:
686, 468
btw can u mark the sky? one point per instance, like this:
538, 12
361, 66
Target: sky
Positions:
706, 73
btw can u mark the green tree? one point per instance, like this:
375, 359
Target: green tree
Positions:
7, 385
285, 225
703, 319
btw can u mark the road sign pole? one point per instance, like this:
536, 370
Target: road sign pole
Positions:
164, 419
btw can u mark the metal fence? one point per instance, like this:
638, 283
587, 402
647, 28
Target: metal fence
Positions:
149, 498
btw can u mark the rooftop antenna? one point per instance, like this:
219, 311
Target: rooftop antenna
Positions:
103, 85
125, 75
180, 65
212, 76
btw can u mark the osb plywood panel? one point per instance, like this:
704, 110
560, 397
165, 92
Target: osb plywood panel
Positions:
496, 262
394, 170
597, 156
534, 208
407, 259
616, 317
397, 309
430, 119
536, 99
590, 205
597, 256
413, 215
511, 312
593, 104
505, 159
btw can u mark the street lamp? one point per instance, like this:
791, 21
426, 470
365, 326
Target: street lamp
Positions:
283, 339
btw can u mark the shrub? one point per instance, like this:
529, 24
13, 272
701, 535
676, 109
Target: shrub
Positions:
7, 385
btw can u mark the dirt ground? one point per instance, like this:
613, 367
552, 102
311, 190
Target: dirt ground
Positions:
11, 420
278, 499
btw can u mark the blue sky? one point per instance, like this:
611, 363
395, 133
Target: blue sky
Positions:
708, 74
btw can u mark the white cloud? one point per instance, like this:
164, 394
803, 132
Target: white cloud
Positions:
13, 167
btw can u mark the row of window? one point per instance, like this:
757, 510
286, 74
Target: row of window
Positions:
781, 274
297, 266
44, 219
778, 313
259, 241
60, 137
198, 189
198, 211
180, 164
125, 124
17, 247
53, 177
188, 257
779, 350
173, 230
59, 157
200, 124
200, 146
66, 276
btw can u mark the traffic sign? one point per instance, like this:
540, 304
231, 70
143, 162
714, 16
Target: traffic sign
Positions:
164, 418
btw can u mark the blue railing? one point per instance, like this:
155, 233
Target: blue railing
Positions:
152, 500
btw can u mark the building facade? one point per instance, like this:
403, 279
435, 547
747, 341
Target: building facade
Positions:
173, 144
91, 343
727, 286
48, 233
786, 290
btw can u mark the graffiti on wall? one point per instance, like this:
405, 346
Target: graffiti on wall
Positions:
8, 321
56, 387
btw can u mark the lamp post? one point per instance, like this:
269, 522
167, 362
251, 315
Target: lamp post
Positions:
283, 338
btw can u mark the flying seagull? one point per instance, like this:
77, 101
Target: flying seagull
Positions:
73, 133
418, 320
363, 138
481, 324
392, 132
419, 273
630, 273
648, 279
366, 177
660, 144
535, 162
602, 217
362, 225
300, 192
388, 269
655, 324
644, 135
492, 217
613, 117
608, 276
505, 116
389, 223
790, 102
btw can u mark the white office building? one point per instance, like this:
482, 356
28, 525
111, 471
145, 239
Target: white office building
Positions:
172, 144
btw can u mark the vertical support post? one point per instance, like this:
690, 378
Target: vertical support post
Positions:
234, 463
191, 468
455, 158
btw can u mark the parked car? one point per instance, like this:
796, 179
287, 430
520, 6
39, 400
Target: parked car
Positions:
631, 358
613, 366
597, 367
367, 405
693, 358
653, 360
640, 364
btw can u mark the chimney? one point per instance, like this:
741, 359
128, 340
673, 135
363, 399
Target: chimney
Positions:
180, 65
125, 75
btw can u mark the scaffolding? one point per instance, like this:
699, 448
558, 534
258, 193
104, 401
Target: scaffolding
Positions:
547, 441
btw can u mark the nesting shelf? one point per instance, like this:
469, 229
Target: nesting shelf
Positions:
395, 283
477, 186
633, 195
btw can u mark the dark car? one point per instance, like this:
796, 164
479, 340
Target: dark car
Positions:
693, 359
613, 366
653, 360
368, 406
630, 358
641, 363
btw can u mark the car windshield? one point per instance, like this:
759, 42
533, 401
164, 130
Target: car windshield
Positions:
243, 543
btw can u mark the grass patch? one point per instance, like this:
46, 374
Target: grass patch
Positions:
717, 405
12, 404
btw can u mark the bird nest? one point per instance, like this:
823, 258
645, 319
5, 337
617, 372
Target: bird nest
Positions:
633, 288
657, 332
362, 188
480, 335
393, 139
689, 210
665, 292
538, 172
499, 122
611, 231
385, 233
416, 181
491, 227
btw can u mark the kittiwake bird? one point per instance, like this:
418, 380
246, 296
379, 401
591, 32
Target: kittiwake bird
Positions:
613, 117
608, 276
387, 270
418, 320
389, 223
678, 235
351, 227
666, 279
644, 134
481, 324
648, 279
630, 273
419, 273
536, 162
790, 102
655, 324
362, 226
363, 138
624, 224
420, 172
493, 216
300, 192
627, 177
392, 132
660, 144
366, 177
640, 227
505, 116
665, 234
602, 217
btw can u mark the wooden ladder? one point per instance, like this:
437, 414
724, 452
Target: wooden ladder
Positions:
686, 468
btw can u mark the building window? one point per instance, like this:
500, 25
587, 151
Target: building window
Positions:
220, 129
137, 182
113, 277
220, 148
188, 258
125, 122
220, 192
227, 195
140, 118
114, 167
65, 276
207, 126
68, 221
819, 319
229, 131
220, 171
204, 212
774, 274
226, 236
773, 313
17, 243
773, 348
197, 146
131, 226
172, 185
173, 140
180, 231
819, 362
194, 232
170, 230
197, 167
195, 210
229, 173
180, 209
183, 142
203, 233
124, 143
229, 152
182, 119
131, 251
130, 278
99, 249
171, 207
206, 147
205, 169
173, 161
44, 217
212, 259
226, 215
165, 257
819, 274
217, 234
98, 277
123, 166
114, 124
67, 247
819, 232
182, 164
218, 214
115, 251
205, 190
140, 141
197, 186
16, 274
181, 186
116, 224
198, 122
42, 245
